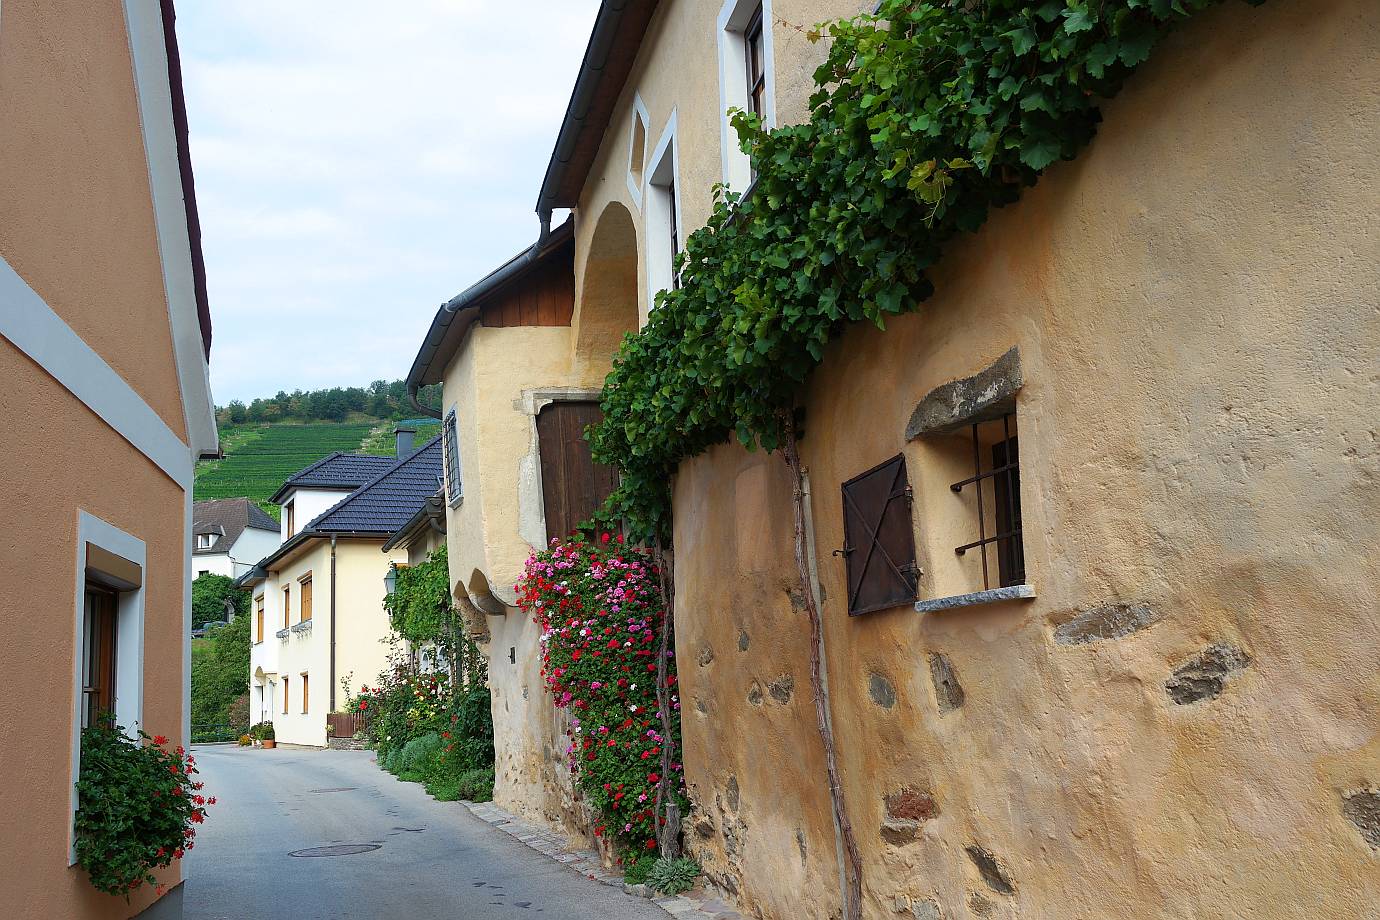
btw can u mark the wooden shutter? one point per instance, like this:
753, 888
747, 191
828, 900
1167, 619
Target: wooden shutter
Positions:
286, 696
879, 542
573, 485
259, 617
287, 606
305, 691
304, 601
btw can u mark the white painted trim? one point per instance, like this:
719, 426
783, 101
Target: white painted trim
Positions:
41, 334
188, 516
733, 19
148, 51
654, 215
129, 642
639, 113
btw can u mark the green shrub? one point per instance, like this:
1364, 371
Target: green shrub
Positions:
418, 758
672, 876
472, 785
636, 868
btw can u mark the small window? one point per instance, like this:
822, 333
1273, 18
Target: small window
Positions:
259, 618
996, 439
663, 217
98, 656
287, 606
285, 696
754, 60
879, 541
304, 599
745, 79
452, 459
290, 510
637, 149
201, 572
205, 541
306, 691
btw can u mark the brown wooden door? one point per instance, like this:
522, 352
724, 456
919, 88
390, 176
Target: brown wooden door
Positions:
573, 485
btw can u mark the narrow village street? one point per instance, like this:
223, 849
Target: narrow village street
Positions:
433, 859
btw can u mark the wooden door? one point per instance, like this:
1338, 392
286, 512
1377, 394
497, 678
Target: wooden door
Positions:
573, 485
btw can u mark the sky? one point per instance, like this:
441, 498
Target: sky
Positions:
359, 163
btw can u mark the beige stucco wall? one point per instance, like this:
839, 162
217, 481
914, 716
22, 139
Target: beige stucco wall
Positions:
74, 188
498, 381
1195, 302
48, 439
677, 72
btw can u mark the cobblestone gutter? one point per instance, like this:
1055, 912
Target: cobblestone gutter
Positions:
695, 904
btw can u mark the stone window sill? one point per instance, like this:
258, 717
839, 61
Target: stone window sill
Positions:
992, 596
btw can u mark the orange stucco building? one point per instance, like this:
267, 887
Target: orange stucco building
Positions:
105, 405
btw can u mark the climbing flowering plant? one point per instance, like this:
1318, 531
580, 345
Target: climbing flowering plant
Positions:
600, 610
139, 807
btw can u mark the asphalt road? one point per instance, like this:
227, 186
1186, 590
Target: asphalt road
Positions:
434, 860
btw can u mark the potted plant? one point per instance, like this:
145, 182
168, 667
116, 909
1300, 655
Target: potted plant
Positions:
262, 733
140, 807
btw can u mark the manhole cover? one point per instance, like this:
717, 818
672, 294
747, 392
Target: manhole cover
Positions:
340, 789
343, 849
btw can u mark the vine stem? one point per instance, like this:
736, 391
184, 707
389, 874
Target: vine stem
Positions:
852, 859
668, 835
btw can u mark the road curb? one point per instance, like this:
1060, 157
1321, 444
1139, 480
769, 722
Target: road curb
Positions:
695, 904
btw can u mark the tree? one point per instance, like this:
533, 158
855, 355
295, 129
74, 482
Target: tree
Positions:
214, 597
220, 675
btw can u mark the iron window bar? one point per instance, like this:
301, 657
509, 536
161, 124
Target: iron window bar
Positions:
1010, 537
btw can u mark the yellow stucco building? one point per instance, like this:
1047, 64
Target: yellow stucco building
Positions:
319, 625
104, 340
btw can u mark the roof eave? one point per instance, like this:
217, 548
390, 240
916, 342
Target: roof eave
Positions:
444, 338
609, 57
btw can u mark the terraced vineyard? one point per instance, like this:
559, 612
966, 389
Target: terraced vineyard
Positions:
259, 457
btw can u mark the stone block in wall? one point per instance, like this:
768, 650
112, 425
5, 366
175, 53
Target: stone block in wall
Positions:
988, 394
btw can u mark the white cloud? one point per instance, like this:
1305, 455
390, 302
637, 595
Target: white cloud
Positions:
358, 163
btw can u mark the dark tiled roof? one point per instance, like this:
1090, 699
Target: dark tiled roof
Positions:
390, 499
337, 471
228, 517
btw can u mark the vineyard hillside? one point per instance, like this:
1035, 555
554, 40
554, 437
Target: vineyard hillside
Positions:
259, 457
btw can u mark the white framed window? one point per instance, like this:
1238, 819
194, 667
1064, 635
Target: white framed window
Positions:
451, 445
637, 149
662, 214
205, 540
745, 78
108, 646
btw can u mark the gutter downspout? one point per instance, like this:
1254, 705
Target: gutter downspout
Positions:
332, 709
467, 298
